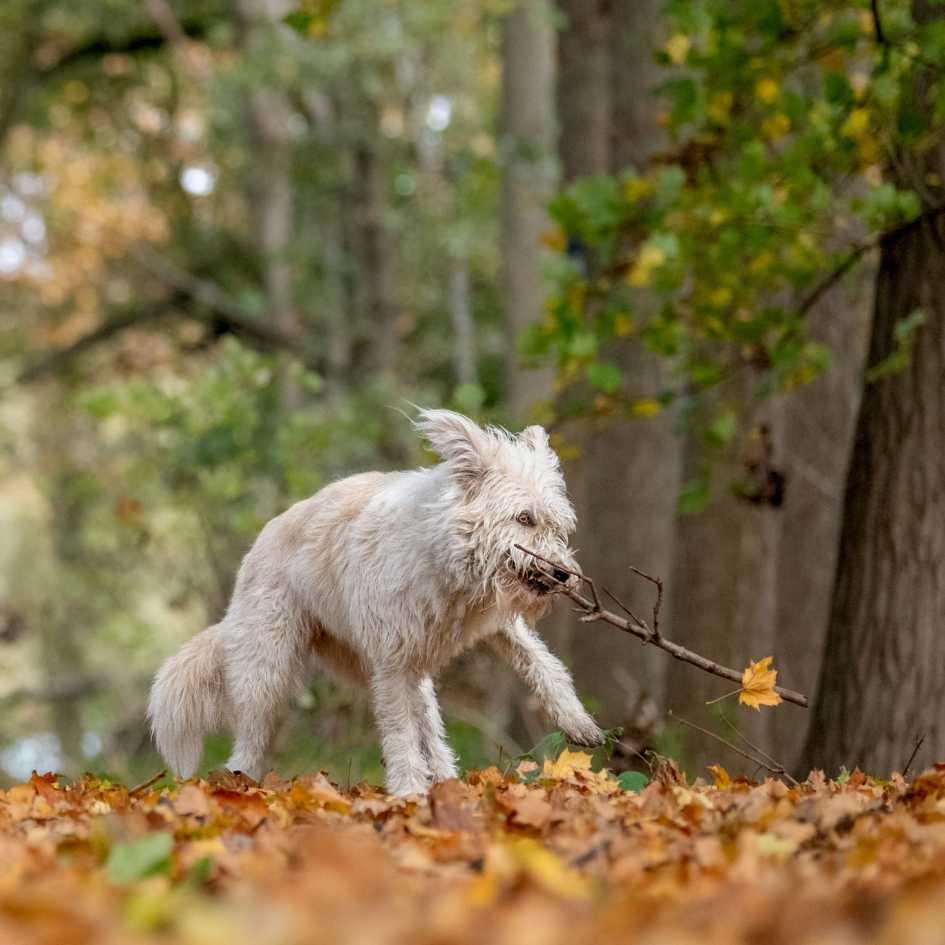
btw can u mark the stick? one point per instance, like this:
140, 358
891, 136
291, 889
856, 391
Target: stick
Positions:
593, 611
774, 769
144, 785
915, 751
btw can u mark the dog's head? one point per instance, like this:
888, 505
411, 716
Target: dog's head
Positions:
506, 490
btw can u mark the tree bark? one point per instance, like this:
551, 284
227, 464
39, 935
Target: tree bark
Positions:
583, 88
526, 143
626, 508
818, 425
724, 583
884, 660
272, 187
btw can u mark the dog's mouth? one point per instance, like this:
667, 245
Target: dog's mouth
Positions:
538, 584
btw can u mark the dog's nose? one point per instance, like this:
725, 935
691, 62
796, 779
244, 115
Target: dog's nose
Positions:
560, 575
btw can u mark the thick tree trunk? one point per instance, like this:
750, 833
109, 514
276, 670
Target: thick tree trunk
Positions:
527, 143
608, 122
818, 425
724, 601
583, 87
884, 661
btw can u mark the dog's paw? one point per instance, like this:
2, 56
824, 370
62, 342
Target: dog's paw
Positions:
407, 783
582, 730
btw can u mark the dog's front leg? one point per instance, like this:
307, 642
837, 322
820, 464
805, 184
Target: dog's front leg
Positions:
549, 679
440, 755
397, 708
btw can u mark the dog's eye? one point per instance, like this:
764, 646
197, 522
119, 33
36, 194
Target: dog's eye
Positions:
525, 518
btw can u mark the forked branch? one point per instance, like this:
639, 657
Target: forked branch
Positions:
591, 610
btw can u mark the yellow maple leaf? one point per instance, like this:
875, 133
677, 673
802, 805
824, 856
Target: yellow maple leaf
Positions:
568, 762
758, 682
721, 777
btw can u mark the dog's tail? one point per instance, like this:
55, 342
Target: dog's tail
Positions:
187, 701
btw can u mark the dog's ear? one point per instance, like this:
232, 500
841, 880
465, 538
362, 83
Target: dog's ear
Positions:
458, 441
536, 437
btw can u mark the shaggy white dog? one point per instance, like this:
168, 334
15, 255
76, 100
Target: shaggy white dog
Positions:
383, 578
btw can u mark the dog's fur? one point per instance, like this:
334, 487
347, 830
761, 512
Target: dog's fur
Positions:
384, 578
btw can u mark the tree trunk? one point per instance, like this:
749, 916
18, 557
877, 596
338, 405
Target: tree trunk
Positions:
724, 593
375, 257
884, 660
527, 142
818, 425
461, 319
626, 509
583, 88
273, 189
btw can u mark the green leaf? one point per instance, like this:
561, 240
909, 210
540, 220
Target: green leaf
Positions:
149, 856
604, 375
694, 497
634, 781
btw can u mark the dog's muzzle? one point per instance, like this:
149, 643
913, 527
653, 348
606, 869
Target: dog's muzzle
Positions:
545, 580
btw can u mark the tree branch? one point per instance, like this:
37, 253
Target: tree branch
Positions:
593, 611
212, 305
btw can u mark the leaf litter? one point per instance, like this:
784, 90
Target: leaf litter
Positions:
557, 853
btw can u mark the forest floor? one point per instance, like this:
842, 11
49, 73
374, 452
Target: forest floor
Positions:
550, 854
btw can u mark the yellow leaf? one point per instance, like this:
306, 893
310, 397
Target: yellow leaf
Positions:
777, 126
646, 407
721, 777
624, 324
767, 90
677, 48
857, 124
554, 238
758, 682
568, 762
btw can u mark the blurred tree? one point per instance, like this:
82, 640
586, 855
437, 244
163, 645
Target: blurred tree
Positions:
526, 147
625, 471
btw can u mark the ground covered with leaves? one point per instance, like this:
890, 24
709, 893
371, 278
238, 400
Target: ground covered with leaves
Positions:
557, 853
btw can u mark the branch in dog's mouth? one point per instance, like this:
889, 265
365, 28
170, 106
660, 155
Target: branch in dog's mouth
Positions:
591, 610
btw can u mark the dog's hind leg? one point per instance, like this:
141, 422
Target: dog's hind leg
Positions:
433, 734
549, 679
263, 666
398, 712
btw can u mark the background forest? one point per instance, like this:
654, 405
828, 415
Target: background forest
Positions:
701, 240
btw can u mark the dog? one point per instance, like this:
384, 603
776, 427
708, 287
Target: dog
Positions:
383, 578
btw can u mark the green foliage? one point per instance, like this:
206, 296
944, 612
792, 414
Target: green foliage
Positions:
634, 781
706, 257
903, 339
148, 856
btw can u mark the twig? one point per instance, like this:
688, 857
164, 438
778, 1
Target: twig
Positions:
915, 751
749, 743
593, 611
144, 785
659, 596
775, 769
878, 23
